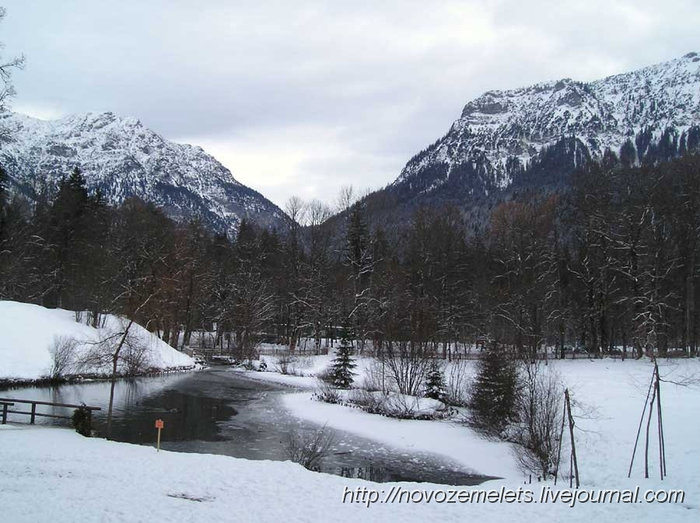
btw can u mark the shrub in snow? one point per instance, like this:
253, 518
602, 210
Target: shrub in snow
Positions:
309, 448
407, 365
369, 401
327, 393
395, 405
63, 356
493, 400
82, 421
457, 383
325, 375
539, 412
283, 363
403, 406
135, 357
294, 365
374, 378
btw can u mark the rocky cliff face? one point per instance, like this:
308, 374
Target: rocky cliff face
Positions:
122, 158
536, 135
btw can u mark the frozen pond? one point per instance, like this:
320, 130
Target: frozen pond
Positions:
222, 412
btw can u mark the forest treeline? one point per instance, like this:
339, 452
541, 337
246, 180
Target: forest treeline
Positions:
609, 264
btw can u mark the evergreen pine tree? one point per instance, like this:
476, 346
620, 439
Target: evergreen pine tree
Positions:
341, 369
495, 391
435, 383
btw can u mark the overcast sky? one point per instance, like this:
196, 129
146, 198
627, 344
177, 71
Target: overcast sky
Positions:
302, 97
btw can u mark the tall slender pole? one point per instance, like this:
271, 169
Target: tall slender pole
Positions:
660, 421
561, 437
571, 433
646, 441
571, 467
639, 428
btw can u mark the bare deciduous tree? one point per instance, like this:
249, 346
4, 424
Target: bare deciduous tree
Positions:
64, 356
309, 448
539, 410
7, 68
406, 365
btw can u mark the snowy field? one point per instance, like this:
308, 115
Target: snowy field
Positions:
55, 475
29, 332
50, 474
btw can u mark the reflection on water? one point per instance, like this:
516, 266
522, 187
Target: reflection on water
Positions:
370, 473
222, 412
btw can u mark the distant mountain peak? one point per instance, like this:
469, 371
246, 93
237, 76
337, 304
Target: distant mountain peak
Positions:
502, 134
123, 158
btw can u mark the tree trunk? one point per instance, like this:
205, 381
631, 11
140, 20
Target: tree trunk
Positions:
113, 378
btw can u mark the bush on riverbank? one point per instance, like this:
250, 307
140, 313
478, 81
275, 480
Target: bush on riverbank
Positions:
390, 404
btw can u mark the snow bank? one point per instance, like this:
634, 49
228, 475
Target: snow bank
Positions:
453, 440
27, 333
303, 370
58, 476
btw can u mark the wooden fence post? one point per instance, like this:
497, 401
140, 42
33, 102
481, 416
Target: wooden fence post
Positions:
571, 433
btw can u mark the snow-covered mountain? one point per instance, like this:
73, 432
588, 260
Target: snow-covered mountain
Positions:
123, 158
536, 135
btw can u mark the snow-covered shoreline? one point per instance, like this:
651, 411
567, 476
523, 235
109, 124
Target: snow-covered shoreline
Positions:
608, 396
55, 475
478, 455
31, 332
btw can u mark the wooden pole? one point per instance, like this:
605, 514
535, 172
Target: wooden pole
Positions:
571, 433
561, 437
159, 426
660, 421
639, 428
646, 441
571, 467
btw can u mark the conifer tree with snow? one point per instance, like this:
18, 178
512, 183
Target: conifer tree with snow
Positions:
341, 373
435, 383
493, 400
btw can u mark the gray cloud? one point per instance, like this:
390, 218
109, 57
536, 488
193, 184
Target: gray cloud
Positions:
303, 97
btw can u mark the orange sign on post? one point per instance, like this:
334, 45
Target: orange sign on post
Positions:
159, 426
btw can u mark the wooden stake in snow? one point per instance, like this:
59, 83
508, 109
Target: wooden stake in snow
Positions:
571, 433
159, 426
653, 398
561, 437
660, 424
573, 462
639, 428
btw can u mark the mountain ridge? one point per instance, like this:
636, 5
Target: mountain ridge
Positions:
501, 135
123, 158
